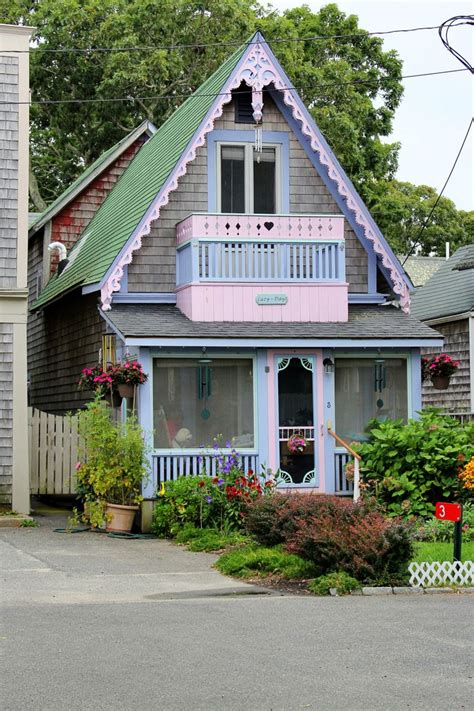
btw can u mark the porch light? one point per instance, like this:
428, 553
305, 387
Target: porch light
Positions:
328, 366
379, 375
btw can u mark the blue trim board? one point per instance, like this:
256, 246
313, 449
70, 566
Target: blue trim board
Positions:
229, 344
366, 298
329, 399
231, 136
143, 297
414, 372
261, 409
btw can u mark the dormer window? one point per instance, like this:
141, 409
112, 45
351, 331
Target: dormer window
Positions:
248, 180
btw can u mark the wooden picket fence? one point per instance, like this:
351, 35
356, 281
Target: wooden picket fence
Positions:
53, 444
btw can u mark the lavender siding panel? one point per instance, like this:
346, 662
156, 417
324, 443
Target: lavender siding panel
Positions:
8, 170
6, 410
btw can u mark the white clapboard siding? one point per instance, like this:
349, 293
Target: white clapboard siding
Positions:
53, 446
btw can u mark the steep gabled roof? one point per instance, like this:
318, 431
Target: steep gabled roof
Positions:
450, 291
90, 174
131, 197
125, 217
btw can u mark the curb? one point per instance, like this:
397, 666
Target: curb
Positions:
400, 590
14, 521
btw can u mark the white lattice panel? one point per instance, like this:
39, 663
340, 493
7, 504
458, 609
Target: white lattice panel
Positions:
441, 573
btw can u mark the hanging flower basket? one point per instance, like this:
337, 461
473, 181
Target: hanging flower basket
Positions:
126, 390
297, 444
440, 382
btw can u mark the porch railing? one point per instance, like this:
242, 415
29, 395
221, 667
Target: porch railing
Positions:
168, 465
258, 261
341, 460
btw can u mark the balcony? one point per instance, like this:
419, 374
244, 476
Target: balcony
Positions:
261, 268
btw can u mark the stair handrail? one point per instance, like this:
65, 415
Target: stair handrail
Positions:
357, 460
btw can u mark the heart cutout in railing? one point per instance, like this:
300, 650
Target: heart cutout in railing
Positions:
443, 32
268, 225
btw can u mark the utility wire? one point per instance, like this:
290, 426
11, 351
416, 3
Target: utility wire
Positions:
197, 95
425, 223
234, 43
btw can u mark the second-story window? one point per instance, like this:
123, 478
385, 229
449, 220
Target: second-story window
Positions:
248, 179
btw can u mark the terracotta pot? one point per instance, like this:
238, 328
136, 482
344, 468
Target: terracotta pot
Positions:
120, 518
440, 382
126, 390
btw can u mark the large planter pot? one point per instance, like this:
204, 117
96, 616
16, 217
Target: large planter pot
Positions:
126, 390
120, 518
440, 382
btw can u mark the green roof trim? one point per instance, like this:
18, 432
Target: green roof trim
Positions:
128, 202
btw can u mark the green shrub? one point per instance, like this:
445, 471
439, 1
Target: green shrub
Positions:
408, 467
438, 531
254, 560
342, 582
208, 539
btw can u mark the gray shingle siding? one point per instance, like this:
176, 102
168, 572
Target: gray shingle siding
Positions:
8, 170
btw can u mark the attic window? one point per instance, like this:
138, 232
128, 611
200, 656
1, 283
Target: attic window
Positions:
243, 105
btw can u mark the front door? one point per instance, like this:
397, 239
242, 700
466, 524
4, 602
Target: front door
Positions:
296, 421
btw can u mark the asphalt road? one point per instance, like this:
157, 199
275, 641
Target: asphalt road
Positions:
89, 623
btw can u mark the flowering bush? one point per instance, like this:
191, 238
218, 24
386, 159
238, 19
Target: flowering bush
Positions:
441, 365
466, 475
95, 378
297, 444
216, 502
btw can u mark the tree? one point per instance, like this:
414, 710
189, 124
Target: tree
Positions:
67, 137
400, 209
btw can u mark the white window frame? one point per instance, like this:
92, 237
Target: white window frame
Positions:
248, 173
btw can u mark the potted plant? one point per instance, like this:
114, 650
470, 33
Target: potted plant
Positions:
128, 375
297, 444
113, 465
439, 368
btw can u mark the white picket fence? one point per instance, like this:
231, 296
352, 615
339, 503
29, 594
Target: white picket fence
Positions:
441, 573
53, 444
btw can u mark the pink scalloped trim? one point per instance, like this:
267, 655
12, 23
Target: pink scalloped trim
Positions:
257, 70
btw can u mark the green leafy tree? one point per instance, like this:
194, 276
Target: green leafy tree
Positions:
67, 137
401, 209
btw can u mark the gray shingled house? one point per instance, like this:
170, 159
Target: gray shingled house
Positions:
446, 302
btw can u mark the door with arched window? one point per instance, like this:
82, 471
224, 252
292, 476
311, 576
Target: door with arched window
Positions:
296, 428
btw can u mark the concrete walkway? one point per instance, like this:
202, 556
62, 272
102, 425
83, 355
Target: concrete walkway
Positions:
42, 566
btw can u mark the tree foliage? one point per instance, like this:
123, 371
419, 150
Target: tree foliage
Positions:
401, 209
354, 117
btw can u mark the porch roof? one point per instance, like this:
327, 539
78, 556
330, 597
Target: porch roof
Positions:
164, 321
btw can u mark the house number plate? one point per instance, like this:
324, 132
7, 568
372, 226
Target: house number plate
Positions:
271, 299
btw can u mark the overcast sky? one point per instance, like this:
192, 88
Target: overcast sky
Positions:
433, 117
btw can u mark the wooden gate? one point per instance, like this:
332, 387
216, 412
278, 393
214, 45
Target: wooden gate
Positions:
53, 444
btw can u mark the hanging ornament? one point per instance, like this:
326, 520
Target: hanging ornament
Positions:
258, 147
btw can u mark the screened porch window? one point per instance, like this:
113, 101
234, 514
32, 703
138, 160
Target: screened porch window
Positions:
248, 179
368, 388
196, 401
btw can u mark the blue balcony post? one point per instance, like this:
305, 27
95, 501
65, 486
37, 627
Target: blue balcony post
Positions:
195, 275
341, 262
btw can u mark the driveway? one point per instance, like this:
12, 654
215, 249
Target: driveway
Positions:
99, 624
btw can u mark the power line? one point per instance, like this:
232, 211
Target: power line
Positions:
425, 223
195, 95
234, 43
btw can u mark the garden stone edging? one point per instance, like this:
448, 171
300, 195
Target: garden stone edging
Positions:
402, 590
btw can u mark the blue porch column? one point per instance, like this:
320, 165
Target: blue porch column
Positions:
261, 409
145, 415
414, 375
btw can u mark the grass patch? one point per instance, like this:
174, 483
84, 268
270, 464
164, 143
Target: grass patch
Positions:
429, 552
208, 539
251, 560
342, 582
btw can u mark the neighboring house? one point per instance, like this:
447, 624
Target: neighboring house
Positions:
420, 269
14, 88
236, 259
446, 302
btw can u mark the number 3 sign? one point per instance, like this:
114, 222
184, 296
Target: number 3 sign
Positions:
448, 512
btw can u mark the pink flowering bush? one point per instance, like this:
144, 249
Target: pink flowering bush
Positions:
441, 365
130, 372
297, 444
